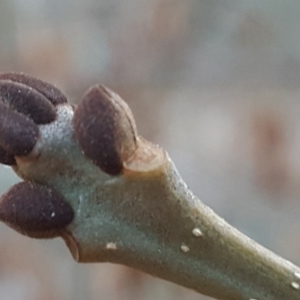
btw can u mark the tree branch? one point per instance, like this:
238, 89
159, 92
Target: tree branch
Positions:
113, 196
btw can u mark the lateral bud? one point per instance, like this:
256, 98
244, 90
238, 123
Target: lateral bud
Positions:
35, 210
105, 129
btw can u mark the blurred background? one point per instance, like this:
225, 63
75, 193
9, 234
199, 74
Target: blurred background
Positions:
215, 82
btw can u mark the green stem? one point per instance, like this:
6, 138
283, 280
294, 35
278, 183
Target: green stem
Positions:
161, 228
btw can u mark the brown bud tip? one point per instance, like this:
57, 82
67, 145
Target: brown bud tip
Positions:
27, 101
52, 93
18, 133
6, 158
35, 210
105, 129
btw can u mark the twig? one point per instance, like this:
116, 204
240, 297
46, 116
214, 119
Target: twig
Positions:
113, 196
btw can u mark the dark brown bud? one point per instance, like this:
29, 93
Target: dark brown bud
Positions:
27, 101
19, 134
6, 158
52, 93
105, 129
35, 210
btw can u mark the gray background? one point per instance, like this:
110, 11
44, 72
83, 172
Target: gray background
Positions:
215, 82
